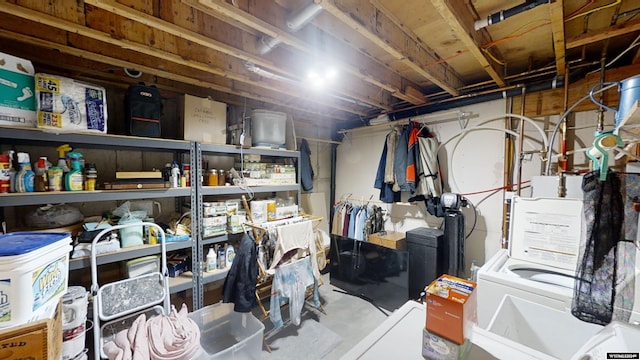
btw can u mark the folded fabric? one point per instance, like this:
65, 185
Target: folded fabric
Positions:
163, 337
173, 337
120, 347
84, 249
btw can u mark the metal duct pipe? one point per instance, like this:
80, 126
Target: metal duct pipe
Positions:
503, 14
301, 18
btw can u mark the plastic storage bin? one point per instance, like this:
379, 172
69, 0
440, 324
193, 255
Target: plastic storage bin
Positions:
34, 273
225, 334
269, 128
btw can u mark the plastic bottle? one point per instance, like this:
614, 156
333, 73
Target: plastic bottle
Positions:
40, 183
62, 157
175, 175
186, 171
91, 176
222, 262
12, 171
230, 254
211, 260
74, 180
55, 176
473, 271
24, 176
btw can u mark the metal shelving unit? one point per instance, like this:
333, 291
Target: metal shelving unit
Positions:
126, 254
194, 280
199, 253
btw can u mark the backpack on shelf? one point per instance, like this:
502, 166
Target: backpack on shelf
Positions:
143, 108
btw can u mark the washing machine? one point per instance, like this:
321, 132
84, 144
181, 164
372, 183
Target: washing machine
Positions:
540, 264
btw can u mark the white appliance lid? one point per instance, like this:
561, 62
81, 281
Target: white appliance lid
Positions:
546, 231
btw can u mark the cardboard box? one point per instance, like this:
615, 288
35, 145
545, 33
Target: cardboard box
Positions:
17, 92
40, 340
203, 120
390, 239
451, 308
435, 347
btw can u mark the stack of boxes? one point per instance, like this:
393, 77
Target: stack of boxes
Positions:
451, 313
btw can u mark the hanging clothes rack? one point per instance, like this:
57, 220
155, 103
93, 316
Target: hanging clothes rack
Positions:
265, 277
461, 115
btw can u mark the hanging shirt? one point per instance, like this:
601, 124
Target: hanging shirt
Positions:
360, 223
400, 159
352, 222
387, 194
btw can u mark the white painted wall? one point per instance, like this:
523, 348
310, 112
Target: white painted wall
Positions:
470, 163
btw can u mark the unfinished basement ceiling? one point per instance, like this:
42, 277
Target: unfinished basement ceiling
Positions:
388, 55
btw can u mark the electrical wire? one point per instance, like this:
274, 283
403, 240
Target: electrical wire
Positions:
452, 178
515, 36
495, 189
238, 179
593, 10
590, 2
634, 43
475, 219
495, 59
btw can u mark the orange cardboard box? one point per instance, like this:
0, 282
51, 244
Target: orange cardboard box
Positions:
451, 308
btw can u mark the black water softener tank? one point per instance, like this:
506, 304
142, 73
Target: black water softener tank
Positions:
426, 258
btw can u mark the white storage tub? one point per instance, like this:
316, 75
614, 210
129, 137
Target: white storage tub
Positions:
269, 128
226, 334
34, 274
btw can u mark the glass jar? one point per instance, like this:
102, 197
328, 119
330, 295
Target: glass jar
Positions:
222, 177
212, 179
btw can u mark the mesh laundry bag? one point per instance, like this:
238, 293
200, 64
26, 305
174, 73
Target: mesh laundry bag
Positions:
594, 290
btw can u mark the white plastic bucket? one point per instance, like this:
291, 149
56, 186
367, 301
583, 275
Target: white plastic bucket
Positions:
34, 273
74, 311
269, 128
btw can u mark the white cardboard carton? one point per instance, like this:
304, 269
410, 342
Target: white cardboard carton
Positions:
17, 93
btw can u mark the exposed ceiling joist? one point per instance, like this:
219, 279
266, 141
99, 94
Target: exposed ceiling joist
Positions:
595, 36
149, 70
393, 84
556, 13
157, 53
390, 37
461, 21
156, 23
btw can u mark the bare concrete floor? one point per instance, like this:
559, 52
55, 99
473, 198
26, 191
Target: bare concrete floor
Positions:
350, 317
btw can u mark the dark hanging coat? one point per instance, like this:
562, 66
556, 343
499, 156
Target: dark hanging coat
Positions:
306, 170
240, 284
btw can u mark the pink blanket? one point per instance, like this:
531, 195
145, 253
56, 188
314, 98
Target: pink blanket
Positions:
163, 337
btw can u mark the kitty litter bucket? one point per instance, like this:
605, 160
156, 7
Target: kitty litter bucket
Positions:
34, 273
